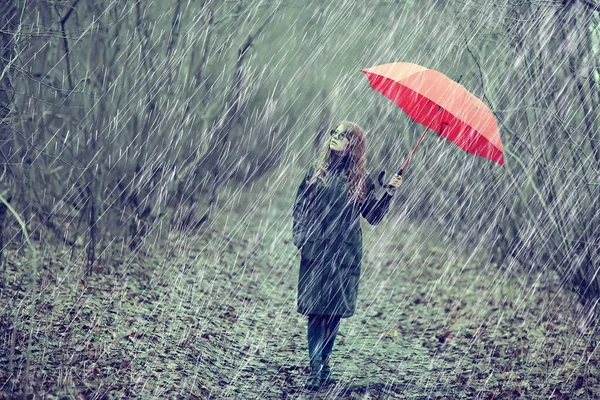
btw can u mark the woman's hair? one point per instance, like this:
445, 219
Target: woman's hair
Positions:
357, 162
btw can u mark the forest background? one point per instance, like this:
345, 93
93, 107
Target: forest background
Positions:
123, 123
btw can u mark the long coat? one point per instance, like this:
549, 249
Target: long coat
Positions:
331, 248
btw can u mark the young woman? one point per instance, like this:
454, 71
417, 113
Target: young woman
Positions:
326, 228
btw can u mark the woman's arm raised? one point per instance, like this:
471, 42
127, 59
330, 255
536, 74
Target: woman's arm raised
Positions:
373, 210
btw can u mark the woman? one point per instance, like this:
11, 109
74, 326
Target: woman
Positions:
326, 226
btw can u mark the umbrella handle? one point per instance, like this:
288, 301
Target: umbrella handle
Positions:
413, 151
382, 173
380, 179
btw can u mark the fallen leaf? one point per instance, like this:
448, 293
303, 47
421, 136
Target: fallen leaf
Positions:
391, 335
446, 335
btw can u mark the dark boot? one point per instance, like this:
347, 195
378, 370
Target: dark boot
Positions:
314, 379
326, 378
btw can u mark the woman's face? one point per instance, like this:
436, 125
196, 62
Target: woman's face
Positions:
338, 140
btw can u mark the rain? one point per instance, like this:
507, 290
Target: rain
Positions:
151, 158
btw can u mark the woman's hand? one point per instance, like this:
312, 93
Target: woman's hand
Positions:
394, 183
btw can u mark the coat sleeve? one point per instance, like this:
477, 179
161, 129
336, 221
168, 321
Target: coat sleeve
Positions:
299, 221
373, 210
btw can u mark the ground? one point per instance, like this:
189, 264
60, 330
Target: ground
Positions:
212, 314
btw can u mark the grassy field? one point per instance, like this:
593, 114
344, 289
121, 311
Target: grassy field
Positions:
212, 314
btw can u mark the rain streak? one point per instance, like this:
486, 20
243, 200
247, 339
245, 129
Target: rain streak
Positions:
214, 200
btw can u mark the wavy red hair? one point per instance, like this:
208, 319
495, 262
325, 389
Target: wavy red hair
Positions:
357, 167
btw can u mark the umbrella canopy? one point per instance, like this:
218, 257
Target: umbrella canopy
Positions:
436, 101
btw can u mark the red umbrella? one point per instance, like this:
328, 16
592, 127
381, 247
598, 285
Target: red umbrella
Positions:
441, 104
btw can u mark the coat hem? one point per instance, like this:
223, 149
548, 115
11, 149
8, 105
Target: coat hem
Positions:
306, 314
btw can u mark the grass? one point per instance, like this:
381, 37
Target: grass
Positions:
213, 315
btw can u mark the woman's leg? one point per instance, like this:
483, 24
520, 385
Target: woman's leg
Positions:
316, 333
332, 325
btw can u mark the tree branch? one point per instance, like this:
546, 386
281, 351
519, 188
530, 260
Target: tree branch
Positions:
63, 21
590, 4
485, 97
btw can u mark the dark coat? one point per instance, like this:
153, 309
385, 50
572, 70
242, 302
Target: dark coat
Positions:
327, 230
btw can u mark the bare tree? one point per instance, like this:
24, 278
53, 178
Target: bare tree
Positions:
8, 24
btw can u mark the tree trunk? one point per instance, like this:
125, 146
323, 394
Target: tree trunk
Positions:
8, 23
